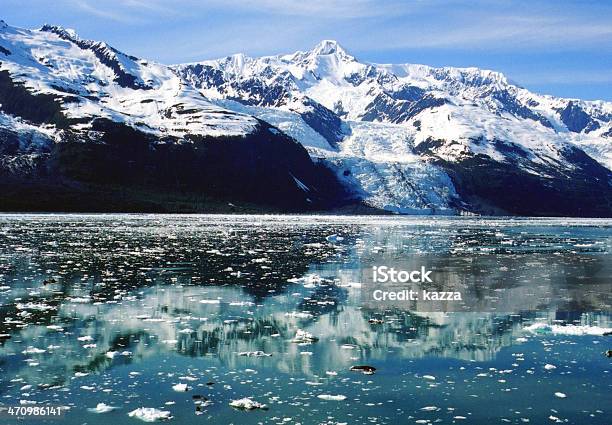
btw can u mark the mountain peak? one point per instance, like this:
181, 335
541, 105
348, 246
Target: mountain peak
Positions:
328, 47
60, 31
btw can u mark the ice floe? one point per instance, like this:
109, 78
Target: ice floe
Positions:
102, 408
150, 414
331, 397
303, 337
33, 350
247, 404
254, 354
181, 387
299, 315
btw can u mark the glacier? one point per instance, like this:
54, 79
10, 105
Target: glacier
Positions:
405, 127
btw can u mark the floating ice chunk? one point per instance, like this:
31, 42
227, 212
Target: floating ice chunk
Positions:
210, 301
302, 337
549, 367
181, 387
247, 404
79, 300
312, 279
111, 354
429, 377
102, 408
150, 414
560, 395
313, 245
544, 328
33, 350
334, 238
254, 354
429, 408
55, 328
299, 314
331, 373
34, 306
80, 374
338, 397
85, 338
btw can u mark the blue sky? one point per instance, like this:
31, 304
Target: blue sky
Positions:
557, 47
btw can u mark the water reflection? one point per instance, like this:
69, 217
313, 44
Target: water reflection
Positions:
91, 294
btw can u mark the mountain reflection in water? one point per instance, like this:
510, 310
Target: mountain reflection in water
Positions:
103, 294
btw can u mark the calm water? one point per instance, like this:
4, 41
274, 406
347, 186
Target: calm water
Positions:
118, 309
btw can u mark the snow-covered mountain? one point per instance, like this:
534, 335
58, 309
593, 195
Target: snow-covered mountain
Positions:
417, 139
85, 126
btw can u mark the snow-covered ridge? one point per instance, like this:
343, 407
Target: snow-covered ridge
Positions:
328, 62
101, 81
448, 113
75, 113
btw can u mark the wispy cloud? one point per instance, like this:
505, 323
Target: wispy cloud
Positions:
509, 24
565, 77
103, 10
499, 31
324, 9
